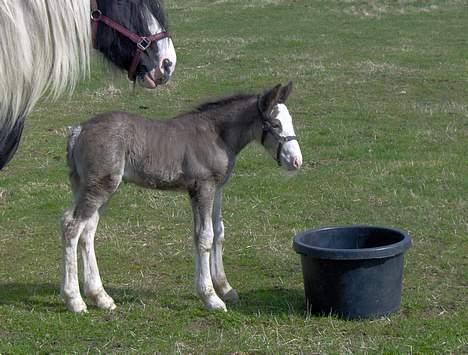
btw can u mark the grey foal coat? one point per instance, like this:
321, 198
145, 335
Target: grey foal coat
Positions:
195, 152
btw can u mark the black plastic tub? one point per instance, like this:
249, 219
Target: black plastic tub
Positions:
352, 271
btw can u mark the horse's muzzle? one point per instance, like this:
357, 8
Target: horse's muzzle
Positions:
157, 76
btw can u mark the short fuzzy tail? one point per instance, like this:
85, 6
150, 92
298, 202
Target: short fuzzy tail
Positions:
73, 133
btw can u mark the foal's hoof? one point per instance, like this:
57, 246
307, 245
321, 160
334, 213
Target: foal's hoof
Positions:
76, 305
215, 304
231, 296
104, 301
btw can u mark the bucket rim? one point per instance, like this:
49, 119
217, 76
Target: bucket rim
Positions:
380, 252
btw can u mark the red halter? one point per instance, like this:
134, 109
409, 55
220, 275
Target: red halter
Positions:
142, 43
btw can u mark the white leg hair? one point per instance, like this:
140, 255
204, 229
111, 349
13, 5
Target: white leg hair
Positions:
70, 289
92, 280
220, 282
202, 205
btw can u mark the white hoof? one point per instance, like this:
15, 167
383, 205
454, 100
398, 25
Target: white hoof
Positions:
76, 305
231, 296
215, 303
103, 300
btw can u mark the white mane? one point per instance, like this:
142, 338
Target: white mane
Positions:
44, 45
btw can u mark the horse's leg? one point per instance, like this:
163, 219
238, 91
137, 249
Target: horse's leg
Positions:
81, 220
70, 289
93, 287
220, 282
97, 195
202, 206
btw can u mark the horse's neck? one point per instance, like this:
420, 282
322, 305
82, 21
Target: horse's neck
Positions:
239, 130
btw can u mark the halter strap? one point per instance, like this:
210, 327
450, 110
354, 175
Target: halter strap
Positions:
142, 42
268, 129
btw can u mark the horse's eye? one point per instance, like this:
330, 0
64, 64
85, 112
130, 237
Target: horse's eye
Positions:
275, 124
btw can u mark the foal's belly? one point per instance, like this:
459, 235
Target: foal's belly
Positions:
155, 180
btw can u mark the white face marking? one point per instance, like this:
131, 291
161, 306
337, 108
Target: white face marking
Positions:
165, 45
290, 156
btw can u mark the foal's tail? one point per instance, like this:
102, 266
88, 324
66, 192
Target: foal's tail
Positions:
73, 133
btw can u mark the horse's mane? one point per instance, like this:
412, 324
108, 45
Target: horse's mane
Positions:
138, 9
222, 102
155, 8
45, 45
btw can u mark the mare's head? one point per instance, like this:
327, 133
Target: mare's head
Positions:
142, 18
278, 136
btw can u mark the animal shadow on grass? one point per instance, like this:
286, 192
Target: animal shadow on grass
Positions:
47, 296
275, 301
30, 295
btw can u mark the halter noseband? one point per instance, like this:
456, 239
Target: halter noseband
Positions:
268, 129
142, 42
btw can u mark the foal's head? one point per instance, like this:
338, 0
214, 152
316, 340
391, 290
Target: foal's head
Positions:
142, 18
278, 136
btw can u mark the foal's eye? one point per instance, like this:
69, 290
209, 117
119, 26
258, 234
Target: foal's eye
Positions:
275, 124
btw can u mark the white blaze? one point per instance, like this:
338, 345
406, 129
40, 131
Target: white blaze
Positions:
291, 156
165, 45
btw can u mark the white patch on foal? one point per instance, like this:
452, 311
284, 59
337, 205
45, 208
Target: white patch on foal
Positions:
290, 156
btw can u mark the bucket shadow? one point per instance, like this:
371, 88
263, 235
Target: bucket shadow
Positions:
275, 301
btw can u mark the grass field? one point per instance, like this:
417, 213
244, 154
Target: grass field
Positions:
381, 111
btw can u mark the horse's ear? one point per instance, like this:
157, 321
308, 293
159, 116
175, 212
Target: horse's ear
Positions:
270, 99
285, 92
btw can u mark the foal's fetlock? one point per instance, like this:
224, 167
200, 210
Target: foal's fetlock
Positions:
76, 305
102, 300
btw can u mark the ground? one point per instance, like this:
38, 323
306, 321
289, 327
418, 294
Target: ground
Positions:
381, 112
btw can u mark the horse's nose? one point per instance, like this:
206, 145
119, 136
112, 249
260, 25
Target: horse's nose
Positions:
167, 64
297, 163
165, 71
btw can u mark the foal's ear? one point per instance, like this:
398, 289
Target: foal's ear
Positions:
285, 92
270, 99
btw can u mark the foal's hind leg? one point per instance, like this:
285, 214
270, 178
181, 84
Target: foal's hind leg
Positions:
93, 287
70, 289
220, 282
81, 220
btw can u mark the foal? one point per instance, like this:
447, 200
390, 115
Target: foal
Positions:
195, 151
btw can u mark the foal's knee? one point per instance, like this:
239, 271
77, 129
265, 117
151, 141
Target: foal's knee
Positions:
204, 240
219, 232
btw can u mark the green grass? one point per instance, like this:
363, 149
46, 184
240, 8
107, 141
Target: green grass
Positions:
381, 110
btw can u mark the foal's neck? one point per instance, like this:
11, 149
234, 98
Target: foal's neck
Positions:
240, 125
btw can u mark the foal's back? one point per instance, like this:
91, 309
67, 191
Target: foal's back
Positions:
173, 153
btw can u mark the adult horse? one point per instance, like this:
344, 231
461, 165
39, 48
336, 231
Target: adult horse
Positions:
45, 45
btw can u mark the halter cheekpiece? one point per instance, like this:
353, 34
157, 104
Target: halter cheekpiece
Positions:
142, 42
268, 129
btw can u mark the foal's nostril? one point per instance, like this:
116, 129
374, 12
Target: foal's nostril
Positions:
296, 163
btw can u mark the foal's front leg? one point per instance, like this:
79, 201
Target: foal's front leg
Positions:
202, 206
220, 282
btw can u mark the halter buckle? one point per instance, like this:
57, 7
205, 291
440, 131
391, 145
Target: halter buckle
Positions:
96, 15
144, 43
